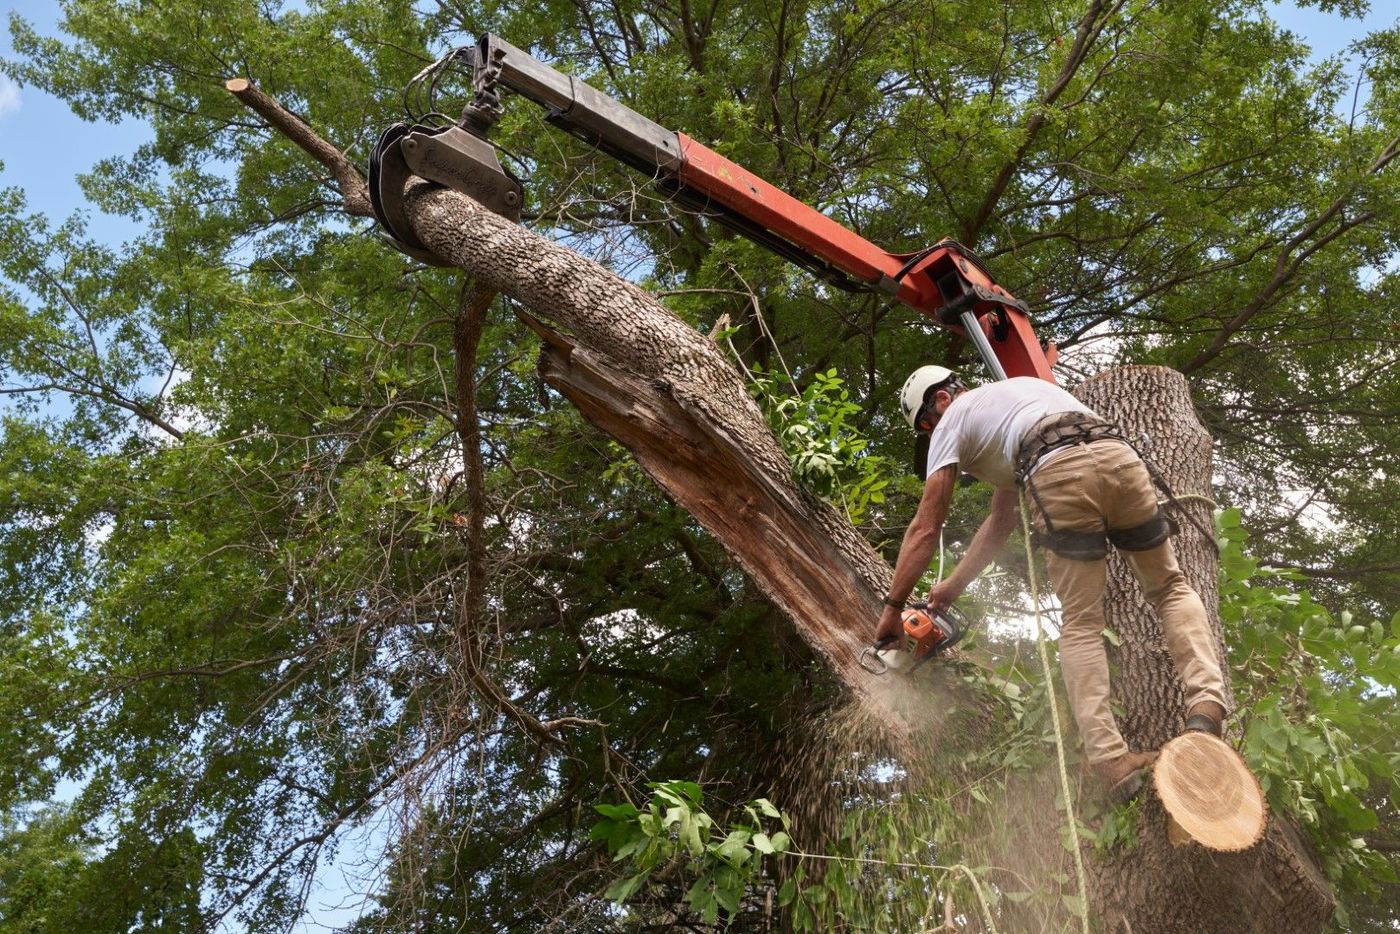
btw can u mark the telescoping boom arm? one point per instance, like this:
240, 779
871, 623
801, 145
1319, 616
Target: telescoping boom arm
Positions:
946, 281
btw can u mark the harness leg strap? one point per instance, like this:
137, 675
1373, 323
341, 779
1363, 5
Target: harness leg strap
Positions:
1146, 535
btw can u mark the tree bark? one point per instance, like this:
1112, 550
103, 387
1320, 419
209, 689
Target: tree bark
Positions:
667, 393
1273, 886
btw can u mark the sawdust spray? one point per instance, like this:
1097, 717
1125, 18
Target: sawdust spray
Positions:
931, 803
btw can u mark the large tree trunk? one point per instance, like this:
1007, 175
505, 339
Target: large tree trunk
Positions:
1275, 885
668, 394
665, 391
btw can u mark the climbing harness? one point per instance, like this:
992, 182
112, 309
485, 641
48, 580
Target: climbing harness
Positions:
1063, 430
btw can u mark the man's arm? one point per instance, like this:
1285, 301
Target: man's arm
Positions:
917, 548
991, 536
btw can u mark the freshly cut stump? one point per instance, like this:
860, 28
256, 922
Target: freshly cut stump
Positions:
1210, 795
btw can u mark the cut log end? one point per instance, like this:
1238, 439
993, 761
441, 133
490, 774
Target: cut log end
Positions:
1210, 796
237, 85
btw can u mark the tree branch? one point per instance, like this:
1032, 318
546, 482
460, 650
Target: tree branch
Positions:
102, 394
1084, 36
353, 191
1286, 266
466, 339
1337, 573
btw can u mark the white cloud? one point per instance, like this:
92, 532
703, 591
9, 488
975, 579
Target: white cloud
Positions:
9, 96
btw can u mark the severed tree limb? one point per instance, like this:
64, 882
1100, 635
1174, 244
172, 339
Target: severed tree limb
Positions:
665, 391
466, 334
353, 191
668, 394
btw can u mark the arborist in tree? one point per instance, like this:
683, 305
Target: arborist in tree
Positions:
1088, 488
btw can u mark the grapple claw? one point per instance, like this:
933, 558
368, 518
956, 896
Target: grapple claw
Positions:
448, 156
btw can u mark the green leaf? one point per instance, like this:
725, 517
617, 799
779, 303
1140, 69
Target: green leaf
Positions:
728, 896
690, 835
701, 898
627, 846
734, 845
304, 534
623, 889
621, 812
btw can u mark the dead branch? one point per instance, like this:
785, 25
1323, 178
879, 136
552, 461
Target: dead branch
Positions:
353, 191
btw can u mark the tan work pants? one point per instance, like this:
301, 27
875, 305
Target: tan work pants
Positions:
1105, 485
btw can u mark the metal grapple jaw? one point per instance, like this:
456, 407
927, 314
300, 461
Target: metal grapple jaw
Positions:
452, 155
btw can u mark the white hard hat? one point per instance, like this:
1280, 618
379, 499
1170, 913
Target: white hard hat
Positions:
911, 397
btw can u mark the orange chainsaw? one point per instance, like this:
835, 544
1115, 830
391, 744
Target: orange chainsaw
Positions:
925, 635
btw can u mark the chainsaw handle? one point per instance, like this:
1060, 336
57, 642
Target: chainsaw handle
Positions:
870, 659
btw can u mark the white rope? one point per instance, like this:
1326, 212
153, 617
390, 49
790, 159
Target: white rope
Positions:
1055, 719
940, 556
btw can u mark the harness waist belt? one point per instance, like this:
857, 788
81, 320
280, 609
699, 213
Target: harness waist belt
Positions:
1061, 430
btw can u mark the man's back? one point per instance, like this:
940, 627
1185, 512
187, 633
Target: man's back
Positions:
982, 429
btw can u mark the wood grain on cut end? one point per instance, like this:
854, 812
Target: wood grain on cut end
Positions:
1209, 793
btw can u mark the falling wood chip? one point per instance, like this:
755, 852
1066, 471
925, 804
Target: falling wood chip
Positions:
1210, 795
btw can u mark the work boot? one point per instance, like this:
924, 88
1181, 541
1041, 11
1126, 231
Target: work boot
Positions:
1124, 775
1205, 717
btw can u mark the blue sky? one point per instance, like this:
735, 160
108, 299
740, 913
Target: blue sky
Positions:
44, 147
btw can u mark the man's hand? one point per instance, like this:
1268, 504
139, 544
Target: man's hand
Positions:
942, 596
891, 624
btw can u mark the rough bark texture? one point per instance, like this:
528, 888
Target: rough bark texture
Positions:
667, 393
1274, 886
1155, 401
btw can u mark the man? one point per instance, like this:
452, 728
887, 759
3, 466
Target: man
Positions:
1088, 488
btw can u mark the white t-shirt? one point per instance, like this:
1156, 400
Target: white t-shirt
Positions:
982, 429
